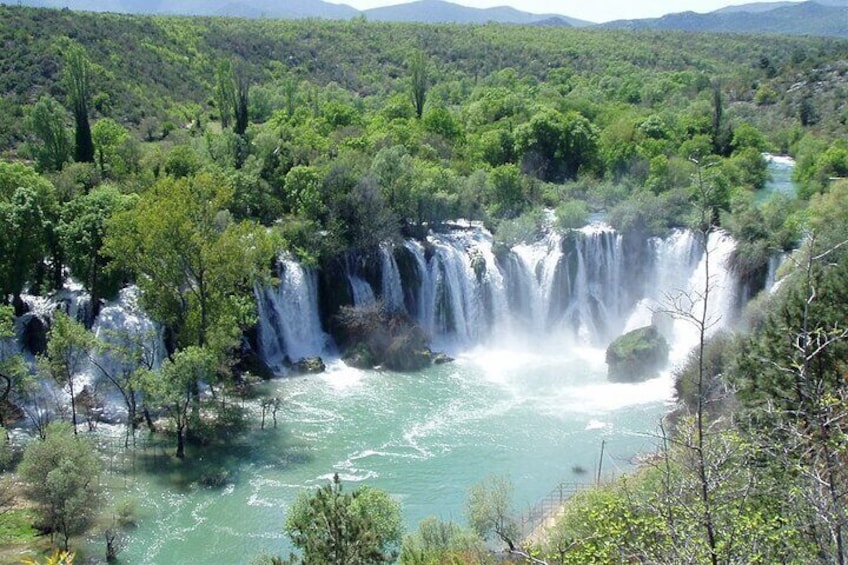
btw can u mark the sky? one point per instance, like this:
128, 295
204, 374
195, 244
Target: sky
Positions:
592, 10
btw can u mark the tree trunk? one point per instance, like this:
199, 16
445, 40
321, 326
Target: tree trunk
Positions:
181, 441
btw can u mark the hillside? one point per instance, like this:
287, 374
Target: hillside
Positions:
438, 11
171, 60
291, 9
227, 200
805, 18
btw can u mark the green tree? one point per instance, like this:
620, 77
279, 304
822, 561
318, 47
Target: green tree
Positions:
173, 386
68, 345
13, 370
27, 204
490, 511
506, 196
109, 137
393, 169
557, 146
437, 543
82, 232
418, 81
182, 161
303, 189
46, 120
77, 68
61, 472
195, 266
224, 91
332, 526
241, 103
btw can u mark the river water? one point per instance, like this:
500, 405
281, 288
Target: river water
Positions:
537, 417
534, 408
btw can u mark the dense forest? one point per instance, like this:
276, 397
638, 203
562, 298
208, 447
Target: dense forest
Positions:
185, 155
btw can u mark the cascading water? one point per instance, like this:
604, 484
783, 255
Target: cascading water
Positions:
526, 397
582, 285
392, 287
289, 324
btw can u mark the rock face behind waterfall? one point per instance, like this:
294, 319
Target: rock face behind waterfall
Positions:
637, 355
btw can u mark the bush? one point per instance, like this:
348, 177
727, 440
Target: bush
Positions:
572, 214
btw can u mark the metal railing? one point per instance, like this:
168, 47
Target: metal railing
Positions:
547, 508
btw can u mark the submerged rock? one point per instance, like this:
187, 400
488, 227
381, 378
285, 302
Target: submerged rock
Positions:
442, 359
637, 355
309, 366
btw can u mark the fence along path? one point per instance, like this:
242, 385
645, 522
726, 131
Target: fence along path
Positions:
544, 513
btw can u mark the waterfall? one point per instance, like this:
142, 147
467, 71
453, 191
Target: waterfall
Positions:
423, 311
392, 287
532, 276
289, 323
363, 294
586, 286
131, 339
675, 290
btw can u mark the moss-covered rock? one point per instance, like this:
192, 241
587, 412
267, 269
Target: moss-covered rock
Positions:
405, 353
359, 357
637, 355
372, 336
309, 366
442, 359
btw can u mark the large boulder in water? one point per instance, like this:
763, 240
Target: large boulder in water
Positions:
360, 357
374, 336
309, 366
406, 353
637, 355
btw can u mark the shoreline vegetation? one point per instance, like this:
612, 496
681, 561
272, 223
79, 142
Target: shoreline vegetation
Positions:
183, 164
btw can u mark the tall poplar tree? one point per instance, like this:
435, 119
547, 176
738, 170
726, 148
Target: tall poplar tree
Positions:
77, 82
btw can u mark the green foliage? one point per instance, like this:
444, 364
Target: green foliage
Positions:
182, 161
505, 193
333, 526
440, 543
572, 214
82, 232
601, 525
195, 265
490, 511
47, 120
27, 203
557, 146
62, 473
225, 95
108, 137
526, 228
419, 81
718, 355
77, 81
173, 387
68, 345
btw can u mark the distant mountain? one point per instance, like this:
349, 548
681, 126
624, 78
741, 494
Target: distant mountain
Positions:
438, 11
821, 17
289, 9
427, 11
756, 8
